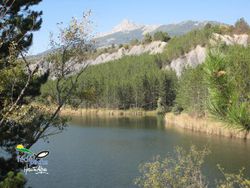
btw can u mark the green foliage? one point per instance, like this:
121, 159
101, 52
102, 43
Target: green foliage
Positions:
161, 36
92, 54
20, 120
241, 26
16, 27
168, 87
177, 109
12, 81
126, 46
179, 45
184, 170
228, 80
147, 38
192, 91
233, 180
181, 170
13, 180
18, 84
134, 42
221, 85
130, 82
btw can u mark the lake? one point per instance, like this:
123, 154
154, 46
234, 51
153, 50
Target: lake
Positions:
105, 152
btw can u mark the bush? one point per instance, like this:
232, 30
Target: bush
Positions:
233, 180
241, 26
147, 39
13, 181
134, 42
161, 36
181, 170
177, 109
184, 170
228, 80
126, 46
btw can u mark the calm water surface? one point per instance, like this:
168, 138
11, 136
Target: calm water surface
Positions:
97, 152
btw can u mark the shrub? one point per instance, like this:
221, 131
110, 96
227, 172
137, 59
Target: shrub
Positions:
181, 170
177, 109
241, 26
184, 170
161, 36
134, 42
13, 180
126, 46
147, 39
233, 180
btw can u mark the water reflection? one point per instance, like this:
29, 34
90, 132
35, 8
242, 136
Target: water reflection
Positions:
134, 122
105, 152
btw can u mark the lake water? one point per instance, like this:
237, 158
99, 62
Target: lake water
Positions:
105, 152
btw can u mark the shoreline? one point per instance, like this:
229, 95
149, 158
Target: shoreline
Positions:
182, 121
68, 111
203, 125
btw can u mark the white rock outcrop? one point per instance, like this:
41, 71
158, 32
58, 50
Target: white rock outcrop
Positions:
230, 40
198, 55
152, 48
190, 59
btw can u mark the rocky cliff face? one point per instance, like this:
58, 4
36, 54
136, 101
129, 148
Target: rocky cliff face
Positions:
198, 55
230, 40
190, 59
152, 48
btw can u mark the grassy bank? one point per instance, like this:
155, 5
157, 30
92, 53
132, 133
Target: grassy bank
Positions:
68, 111
203, 125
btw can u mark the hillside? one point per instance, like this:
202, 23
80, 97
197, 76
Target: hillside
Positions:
197, 55
182, 57
128, 30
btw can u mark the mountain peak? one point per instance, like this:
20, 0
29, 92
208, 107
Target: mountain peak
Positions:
126, 25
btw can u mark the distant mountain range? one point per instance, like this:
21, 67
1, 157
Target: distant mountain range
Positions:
128, 30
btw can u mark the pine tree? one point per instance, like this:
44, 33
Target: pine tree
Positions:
17, 23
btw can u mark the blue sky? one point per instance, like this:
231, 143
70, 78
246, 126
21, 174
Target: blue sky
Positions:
108, 13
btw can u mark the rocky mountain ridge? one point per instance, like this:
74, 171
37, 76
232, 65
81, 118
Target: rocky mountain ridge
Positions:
127, 26
198, 54
128, 30
193, 58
